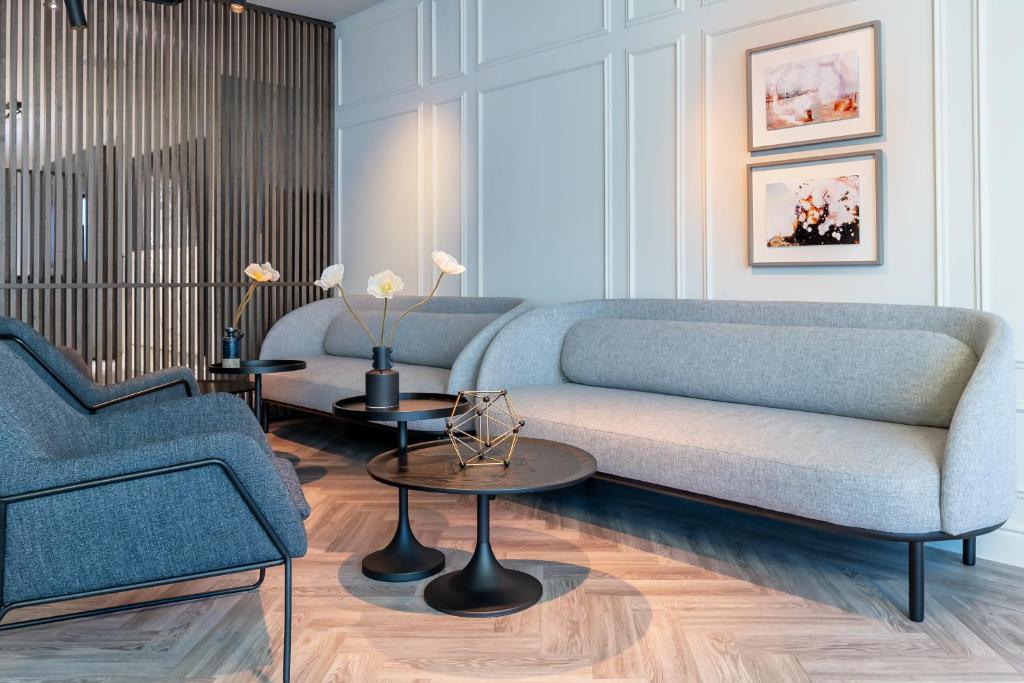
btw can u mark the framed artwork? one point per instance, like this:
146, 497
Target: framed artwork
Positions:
821, 88
818, 211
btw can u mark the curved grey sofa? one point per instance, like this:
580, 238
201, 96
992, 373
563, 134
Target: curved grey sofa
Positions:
886, 421
438, 347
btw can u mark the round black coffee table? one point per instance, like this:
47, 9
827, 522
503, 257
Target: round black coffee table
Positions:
404, 558
258, 368
484, 588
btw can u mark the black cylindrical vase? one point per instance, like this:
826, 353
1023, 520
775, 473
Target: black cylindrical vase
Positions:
382, 381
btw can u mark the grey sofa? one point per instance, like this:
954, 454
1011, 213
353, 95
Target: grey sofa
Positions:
886, 421
94, 503
438, 347
66, 373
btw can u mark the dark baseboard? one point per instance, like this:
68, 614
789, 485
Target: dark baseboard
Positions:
790, 518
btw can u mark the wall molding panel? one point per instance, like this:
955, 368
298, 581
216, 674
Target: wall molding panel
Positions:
646, 98
437, 75
634, 17
441, 143
604, 141
373, 40
529, 19
402, 160
634, 185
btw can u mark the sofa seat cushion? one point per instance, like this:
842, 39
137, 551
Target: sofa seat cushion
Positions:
849, 471
329, 378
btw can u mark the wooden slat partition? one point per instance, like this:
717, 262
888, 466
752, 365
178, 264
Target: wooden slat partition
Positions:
156, 154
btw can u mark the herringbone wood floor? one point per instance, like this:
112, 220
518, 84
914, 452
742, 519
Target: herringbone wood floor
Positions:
637, 588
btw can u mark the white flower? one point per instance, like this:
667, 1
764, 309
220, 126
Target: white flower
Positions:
264, 273
447, 263
384, 285
331, 277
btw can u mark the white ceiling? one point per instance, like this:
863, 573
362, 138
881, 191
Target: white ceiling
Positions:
328, 10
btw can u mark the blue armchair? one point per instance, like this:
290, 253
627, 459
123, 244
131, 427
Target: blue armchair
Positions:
97, 503
67, 375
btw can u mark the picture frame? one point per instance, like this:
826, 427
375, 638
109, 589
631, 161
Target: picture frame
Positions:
816, 211
825, 87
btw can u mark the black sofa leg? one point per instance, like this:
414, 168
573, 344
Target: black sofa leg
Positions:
916, 580
970, 550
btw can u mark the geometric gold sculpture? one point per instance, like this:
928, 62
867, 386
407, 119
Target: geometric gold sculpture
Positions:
496, 423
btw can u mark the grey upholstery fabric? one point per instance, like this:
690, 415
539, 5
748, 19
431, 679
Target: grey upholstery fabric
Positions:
912, 377
120, 534
291, 482
75, 375
979, 461
329, 378
979, 470
75, 359
434, 339
302, 334
848, 471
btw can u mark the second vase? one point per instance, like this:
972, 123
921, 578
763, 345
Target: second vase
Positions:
382, 381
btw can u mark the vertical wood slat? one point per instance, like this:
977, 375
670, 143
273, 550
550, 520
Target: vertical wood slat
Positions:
157, 153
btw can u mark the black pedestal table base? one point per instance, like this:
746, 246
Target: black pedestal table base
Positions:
483, 588
404, 558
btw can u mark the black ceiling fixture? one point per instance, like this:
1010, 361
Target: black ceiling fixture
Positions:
76, 13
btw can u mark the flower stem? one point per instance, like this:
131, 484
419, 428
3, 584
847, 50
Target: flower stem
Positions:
243, 304
356, 317
394, 328
383, 320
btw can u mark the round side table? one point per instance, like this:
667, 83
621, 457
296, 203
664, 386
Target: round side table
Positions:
484, 588
225, 386
404, 558
258, 368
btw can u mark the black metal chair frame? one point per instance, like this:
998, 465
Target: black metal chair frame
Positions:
284, 560
85, 406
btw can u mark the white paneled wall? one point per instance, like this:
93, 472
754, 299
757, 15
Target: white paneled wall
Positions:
568, 149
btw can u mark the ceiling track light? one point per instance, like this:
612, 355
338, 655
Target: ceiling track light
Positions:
238, 6
76, 14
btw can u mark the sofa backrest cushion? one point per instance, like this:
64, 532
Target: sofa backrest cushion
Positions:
912, 377
36, 419
433, 339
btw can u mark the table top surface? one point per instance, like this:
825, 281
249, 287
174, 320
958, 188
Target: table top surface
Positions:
537, 465
411, 408
225, 386
258, 367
